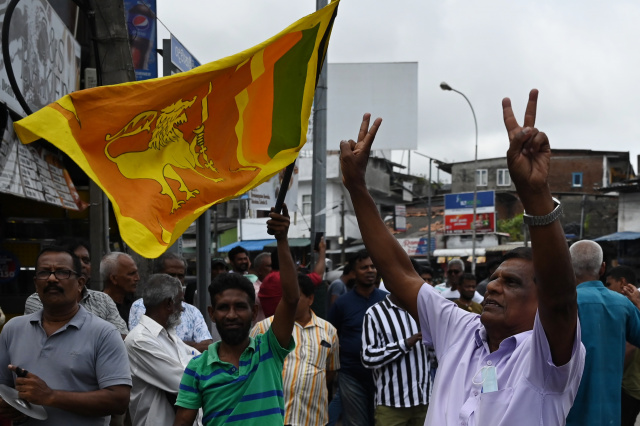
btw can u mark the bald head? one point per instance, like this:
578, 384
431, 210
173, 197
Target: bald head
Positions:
586, 259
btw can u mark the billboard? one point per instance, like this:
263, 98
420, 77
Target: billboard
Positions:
44, 54
464, 200
461, 223
388, 90
141, 26
458, 212
417, 246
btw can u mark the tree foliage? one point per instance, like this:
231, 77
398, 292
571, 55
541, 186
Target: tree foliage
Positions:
513, 227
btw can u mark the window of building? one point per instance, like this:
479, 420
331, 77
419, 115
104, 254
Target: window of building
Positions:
481, 177
576, 180
503, 178
306, 204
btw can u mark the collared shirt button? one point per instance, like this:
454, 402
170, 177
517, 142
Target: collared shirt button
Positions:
475, 393
489, 363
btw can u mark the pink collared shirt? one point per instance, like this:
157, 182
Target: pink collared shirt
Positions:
531, 389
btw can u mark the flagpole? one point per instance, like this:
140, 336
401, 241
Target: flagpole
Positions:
284, 187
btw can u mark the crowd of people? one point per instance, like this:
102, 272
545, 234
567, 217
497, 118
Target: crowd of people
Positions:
541, 341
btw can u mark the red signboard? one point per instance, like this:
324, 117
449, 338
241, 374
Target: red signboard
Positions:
461, 223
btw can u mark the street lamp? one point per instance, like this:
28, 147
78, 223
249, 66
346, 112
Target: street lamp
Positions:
445, 86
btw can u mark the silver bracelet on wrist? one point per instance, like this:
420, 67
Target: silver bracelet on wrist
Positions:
547, 218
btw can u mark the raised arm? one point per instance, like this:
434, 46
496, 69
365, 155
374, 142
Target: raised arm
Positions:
389, 257
321, 264
529, 157
283, 319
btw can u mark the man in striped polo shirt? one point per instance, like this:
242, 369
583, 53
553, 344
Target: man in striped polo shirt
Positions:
391, 348
311, 367
238, 380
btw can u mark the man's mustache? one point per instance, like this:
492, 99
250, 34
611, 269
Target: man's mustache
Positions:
54, 287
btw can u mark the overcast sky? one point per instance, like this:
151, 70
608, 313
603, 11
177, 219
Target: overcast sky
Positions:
583, 56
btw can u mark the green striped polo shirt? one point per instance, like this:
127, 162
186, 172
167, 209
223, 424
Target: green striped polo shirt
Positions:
251, 394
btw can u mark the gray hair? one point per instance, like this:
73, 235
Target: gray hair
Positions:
586, 258
158, 264
260, 259
458, 262
159, 288
109, 265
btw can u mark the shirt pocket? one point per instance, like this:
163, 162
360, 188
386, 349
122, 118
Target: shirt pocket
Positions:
492, 407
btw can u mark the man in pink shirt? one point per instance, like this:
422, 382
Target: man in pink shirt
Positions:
521, 361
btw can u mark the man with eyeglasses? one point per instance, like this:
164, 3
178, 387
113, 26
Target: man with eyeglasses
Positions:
64, 346
449, 290
191, 329
96, 302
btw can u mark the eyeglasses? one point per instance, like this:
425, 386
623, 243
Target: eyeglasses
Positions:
61, 274
453, 271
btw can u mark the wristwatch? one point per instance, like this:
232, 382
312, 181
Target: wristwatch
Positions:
547, 218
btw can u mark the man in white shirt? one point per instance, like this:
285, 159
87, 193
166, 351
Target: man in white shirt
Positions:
449, 290
156, 354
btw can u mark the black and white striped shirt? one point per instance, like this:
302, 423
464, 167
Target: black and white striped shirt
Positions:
401, 374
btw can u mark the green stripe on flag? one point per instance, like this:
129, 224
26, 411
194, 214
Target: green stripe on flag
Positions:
289, 78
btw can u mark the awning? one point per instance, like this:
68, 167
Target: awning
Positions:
293, 242
249, 245
458, 252
351, 249
505, 247
619, 236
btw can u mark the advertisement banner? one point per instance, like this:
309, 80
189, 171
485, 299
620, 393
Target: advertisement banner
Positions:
464, 200
141, 25
461, 223
264, 197
417, 246
44, 55
31, 172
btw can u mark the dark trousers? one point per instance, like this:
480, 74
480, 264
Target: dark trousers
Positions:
357, 401
630, 409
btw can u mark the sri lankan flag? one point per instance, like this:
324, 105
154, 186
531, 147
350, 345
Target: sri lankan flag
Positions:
165, 150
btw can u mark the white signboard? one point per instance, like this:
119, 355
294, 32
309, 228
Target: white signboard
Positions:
387, 90
44, 55
264, 196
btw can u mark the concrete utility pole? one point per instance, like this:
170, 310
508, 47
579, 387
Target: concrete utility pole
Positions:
319, 174
108, 21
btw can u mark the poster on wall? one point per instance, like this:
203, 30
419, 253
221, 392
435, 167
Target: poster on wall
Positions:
141, 26
29, 171
44, 54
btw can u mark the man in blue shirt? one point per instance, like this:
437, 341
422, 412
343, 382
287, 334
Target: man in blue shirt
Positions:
355, 382
608, 320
